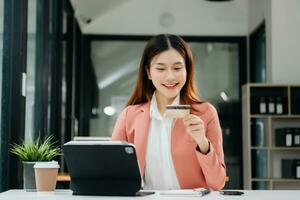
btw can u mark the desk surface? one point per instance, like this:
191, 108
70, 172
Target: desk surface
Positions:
67, 194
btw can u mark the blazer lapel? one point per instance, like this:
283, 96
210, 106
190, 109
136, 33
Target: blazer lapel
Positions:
141, 134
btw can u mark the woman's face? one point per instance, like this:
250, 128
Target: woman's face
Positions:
168, 74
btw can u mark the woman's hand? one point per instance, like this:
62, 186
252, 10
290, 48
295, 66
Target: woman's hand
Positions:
195, 127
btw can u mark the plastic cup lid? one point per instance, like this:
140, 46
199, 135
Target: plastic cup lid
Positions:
52, 164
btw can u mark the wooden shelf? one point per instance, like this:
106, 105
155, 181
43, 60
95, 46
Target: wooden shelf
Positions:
276, 148
261, 158
285, 148
285, 180
259, 148
275, 116
275, 180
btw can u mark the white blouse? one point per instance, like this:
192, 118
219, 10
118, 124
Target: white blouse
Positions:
159, 169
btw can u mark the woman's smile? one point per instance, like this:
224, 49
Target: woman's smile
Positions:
171, 86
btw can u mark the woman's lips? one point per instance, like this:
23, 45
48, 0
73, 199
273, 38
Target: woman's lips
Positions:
170, 86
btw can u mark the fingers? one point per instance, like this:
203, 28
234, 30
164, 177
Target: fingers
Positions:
192, 120
195, 127
193, 123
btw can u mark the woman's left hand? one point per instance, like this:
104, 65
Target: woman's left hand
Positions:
195, 127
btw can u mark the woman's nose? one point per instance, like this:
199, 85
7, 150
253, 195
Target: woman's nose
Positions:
170, 74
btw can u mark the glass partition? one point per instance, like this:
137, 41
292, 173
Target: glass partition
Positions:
116, 64
1, 69
31, 57
217, 74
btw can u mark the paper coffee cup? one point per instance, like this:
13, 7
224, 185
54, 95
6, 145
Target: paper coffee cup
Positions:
46, 175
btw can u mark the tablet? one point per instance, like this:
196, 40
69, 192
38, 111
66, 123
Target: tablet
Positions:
102, 168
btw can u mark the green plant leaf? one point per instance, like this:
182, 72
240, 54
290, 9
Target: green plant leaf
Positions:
36, 150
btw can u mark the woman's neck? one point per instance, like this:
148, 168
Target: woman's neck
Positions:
162, 102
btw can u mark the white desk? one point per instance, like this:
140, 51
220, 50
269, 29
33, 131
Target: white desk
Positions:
67, 194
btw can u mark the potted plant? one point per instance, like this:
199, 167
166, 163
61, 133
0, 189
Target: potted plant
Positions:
34, 151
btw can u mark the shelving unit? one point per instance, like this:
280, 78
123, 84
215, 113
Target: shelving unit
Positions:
261, 157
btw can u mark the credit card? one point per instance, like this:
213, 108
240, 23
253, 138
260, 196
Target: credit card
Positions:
178, 111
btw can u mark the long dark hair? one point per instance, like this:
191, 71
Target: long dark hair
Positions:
144, 87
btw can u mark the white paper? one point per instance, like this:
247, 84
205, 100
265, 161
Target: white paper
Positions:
185, 192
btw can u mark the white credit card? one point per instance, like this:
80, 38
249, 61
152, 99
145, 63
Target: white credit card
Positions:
177, 111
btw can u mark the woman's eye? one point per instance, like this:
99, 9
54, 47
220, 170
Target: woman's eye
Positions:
160, 69
177, 68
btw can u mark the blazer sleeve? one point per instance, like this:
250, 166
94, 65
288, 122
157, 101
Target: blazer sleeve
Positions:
119, 132
212, 163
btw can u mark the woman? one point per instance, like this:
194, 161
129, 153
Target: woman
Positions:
172, 153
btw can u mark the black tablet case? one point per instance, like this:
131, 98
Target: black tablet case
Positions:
103, 168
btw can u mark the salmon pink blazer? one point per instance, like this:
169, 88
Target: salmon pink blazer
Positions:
193, 169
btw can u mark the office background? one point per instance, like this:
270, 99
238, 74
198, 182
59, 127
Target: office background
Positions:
79, 59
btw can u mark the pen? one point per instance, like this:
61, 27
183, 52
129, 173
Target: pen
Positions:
205, 192
202, 191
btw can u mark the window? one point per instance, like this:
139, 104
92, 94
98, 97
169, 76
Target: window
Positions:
258, 55
31, 60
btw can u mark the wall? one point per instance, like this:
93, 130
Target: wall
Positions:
256, 13
282, 21
280, 18
285, 41
194, 17
144, 17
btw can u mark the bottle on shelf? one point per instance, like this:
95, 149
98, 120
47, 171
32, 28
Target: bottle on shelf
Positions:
288, 137
287, 166
257, 133
260, 163
279, 107
297, 136
262, 105
283, 137
297, 164
259, 130
271, 106
290, 168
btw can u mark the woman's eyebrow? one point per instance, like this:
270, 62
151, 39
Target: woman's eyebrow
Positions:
175, 63
160, 63
178, 63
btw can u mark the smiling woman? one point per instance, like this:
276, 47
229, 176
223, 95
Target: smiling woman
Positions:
185, 152
218, 66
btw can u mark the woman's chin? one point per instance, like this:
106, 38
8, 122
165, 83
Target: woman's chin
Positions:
171, 95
